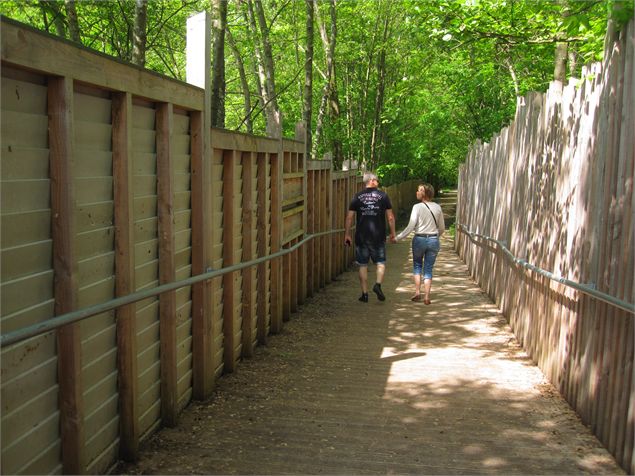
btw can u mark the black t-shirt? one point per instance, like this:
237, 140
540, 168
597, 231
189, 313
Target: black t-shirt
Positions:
370, 206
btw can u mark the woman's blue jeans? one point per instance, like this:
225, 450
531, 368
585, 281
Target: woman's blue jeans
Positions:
424, 254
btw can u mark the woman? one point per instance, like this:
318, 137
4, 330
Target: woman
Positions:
427, 222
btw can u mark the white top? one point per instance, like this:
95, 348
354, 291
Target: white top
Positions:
421, 220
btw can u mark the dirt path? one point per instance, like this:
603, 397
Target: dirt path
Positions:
384, 388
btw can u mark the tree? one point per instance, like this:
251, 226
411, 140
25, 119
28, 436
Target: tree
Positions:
307, 104
219, 26
402, 86
73, 23
139, 36
266, 71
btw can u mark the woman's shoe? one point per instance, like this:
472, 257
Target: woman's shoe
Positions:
416, 298
427, 301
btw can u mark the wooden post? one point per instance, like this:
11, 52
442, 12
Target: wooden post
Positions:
202, 294
294, 288
249, 235
276, 241
198, 73
125, 274
329, 224
167, 274
309, 258
229, 244
324, 178
262, 237
60, 105
303, 270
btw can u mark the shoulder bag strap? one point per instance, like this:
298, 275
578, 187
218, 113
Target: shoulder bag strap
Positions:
433, 217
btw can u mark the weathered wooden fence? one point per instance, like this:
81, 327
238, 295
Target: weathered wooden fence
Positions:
557, 187
111, 184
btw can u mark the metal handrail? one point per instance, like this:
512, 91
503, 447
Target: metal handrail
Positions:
80, 314
585, 288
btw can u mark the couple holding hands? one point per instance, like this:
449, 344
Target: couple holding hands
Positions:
369, 207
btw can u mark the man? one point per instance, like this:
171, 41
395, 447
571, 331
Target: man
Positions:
372, 207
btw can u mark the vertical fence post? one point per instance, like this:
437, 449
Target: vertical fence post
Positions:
249, 235
60, 104
229, 244
202, 293
262, 237
303, 269
276, 240
167, 273
125, 276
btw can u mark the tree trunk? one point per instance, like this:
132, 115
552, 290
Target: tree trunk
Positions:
58, 18
272, 111
243, 81
573, 63
560, 63
334, 102
512, 73
73, 24
258, 70
379, 98
319, 123
329, 101
219, 24
307, 99
560, 56
139, 34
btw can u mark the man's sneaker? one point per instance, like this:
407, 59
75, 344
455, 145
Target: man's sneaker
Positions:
364, 297
377, 290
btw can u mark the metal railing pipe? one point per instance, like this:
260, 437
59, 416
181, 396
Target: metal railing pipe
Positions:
585, 288
70, 317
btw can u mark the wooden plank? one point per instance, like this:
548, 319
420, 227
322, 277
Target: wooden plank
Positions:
295, 288
286, 285
32, 49
202, 329
249, 235
321, 227
262, 219
229, 242
276, 242
302, 265
60, 100
328, 225
310, 229
231, 140
124, 278
167, 301
315, 165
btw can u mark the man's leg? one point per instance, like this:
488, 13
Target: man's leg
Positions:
378, 254
363, 278
381, 269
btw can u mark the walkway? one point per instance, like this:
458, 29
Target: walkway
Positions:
384, 388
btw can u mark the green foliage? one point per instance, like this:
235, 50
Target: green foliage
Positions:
390, 174
453, 68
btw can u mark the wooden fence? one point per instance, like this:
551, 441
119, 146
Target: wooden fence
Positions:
557, 187
111, 184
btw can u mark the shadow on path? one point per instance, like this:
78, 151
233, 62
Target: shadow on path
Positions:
390, 387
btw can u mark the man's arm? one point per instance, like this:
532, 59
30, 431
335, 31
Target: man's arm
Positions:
348, 239
390, 216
